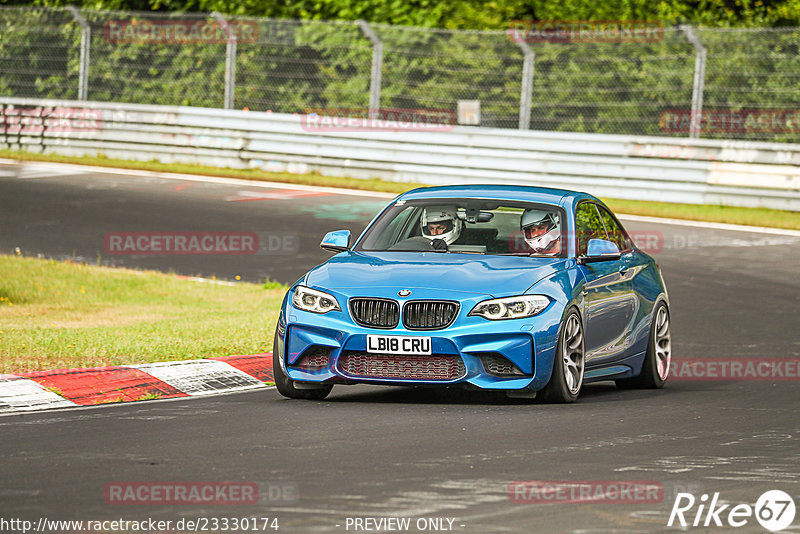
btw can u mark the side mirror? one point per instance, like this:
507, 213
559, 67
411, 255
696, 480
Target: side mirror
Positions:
336, 241
600, 250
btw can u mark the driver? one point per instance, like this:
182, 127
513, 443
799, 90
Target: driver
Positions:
542, 231
441, 222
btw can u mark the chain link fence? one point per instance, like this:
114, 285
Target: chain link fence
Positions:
708, 83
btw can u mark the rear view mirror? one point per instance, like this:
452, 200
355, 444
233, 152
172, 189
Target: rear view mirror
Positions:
473, 215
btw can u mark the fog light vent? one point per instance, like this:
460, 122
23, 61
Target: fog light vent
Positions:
314, 358
500, 366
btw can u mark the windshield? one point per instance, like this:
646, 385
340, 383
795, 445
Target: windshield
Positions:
468, 226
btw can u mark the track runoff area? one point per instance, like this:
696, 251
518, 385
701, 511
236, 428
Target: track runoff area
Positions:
708, 452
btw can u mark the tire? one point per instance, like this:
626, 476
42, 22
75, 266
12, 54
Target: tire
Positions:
655, 369
286, 385
569, 363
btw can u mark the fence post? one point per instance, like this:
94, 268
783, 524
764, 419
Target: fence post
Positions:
230, 61
86, 37
695, 123
377, 65
527, 85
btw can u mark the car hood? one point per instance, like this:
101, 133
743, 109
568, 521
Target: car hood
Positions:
466, 273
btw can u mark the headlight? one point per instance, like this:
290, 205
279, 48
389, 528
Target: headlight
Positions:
511, 307
308, 299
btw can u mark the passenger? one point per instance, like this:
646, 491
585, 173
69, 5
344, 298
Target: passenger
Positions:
542, 231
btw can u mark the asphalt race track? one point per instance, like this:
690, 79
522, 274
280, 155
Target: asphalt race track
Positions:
392, 452
52, 210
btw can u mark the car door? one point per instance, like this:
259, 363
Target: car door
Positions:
632, 262
610, 304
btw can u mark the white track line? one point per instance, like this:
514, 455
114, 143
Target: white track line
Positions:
376, 194
711, 225
213, 179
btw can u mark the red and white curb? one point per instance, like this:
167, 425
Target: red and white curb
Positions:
69, 388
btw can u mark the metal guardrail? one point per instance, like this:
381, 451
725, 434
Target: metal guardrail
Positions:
735, 173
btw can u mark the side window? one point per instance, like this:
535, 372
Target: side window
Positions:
614, 230
393, 232
588, 225
405, 224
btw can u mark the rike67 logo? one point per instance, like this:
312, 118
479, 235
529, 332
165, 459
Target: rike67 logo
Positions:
774, 511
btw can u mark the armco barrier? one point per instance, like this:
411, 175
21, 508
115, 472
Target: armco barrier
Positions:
736, 173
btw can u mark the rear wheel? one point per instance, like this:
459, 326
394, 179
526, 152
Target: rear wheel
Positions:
568, 366
288, 387
655, 369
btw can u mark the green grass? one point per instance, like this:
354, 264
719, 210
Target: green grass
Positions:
269, 283
711, 213
57, 315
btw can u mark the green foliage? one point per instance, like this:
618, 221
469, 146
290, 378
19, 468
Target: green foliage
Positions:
433, 70
190, 74
299, 65
36, 52
588, 225
476, 14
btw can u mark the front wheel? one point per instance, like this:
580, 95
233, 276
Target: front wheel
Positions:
568, 366
285, 385
658, 357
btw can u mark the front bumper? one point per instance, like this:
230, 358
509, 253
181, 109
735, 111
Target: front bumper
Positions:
529, 344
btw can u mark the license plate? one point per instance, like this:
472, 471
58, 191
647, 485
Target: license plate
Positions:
377, 344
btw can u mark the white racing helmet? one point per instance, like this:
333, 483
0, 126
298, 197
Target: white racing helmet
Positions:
540, 241
445, 221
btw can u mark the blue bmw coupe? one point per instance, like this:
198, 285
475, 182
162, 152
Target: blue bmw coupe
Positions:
525, 290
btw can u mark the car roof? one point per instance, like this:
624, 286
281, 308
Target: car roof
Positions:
527, 193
